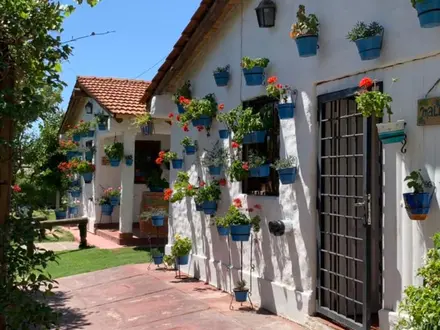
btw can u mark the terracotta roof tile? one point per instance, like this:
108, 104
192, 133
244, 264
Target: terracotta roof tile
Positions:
119, 96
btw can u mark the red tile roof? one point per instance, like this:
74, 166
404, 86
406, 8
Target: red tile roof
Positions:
118, 96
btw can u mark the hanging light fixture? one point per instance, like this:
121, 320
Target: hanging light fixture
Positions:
266, 12
89, 108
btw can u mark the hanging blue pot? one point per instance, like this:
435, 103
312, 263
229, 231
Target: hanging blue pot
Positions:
418, 205
91, 133
158, 259
195, 122
73, 210
254, 76
240, 233
147, 129
180, 109
158, 220
205, 121
75, 183
221, 78
115, 162
223, 231
102, 127
247, 138
89, 156
287, 175
262, 171
286, 110
259, 136
107, 209
429, 13
177, 163
369, 48
70, 155
307, 45
183, 260
224, 134
88, 177
209, 207
84, 134
115, 200
76, 137
129, 162
155, 189
241, 296
75, 193
199, 207
215, 170
190, 150
60, 215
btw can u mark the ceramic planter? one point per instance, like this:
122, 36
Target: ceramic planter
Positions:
158, 220
307, 45
147, 129
428, 12
180, 109
221, 78
287, 175
115, 200
115, 162
88, 177
209, 207
177, 163
417, 205
391, 132
369, 48
224, 134
240, 233
60, 215
107, 209
241, 295
73, 210
102, 127
129, 162
155, 189
286, 110
89, 156
190, 150
215, 170
182, 260
75, 193
158, 259
223, 231
203, 120
254, 76
91, 133
262, 171
76, 137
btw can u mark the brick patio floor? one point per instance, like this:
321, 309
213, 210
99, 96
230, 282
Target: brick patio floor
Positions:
133, 297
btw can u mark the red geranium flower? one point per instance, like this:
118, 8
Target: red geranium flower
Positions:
181, 99
159, 161
366, 83
178, 117
16, 188
221, 106
235, 145
272, 80
190, 187
245, 166
185, 128
167, 194
258, 206
200, 128
171, 115
162, 154
222, 182
237, 202
250, 209
279, 86
202, 183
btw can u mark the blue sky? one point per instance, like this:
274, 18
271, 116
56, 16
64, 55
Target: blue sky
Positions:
146, 31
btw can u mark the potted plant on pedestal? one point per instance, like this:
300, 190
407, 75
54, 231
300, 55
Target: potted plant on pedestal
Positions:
258, 168
428, 12
155, 182
113, 195
86, 169
157, 256
106, 206
75, 191
115, 152
210, 194
128, 160
418, 202
368, 39
74, 207
241, 223
287, 169
222, 224
182, 96
215, 159
189, 145
157, 216
200, 112
144, 122
287, 97
102, 121
241, 292
253, 70
221, 75
181, 248
305, 32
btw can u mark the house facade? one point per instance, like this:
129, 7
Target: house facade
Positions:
336, 262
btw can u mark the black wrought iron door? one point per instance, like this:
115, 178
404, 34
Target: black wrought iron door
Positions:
344, 196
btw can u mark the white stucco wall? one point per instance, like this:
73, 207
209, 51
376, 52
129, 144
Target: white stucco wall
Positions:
285, 268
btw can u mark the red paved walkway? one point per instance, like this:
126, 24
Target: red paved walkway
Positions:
131, 297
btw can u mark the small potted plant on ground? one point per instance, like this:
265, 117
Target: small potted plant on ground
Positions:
182, 96
253, 70
155, 182
241, 223
73, 207
215, 159
157, 216
114, 195
210, 194
418, 202
106, 206
285, 95
144, 122
86, 169
222, 224
102, 120
221, 75
428, 12
258, 168
189, 145
241, 292
115, 152
287, 169
75, 191
157, 256
181, 248
305, 32
371, 101
128, 160
368, 39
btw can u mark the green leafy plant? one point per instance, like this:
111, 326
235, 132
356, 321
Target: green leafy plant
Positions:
306, 25
104, 200
222, 221
114, 150
218, 156
101, 118
182, 188
250, 63
206, 106
234, 216
187, 142
181, 247
416, 181
85, 167
154, 179
209, 192
184, 91
142, 120
238, 170
169, 261
246, 122
288, 162
112, 192
169, 156
278, 91
229, 119
156, 252
362, 31
154, 212
222, 69
241, 286
372, 102
256, 159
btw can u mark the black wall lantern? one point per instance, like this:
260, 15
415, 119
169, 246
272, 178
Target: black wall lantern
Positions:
89, 108
266, 11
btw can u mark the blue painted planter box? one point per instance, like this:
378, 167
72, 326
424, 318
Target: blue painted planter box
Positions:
156, 189
180, 109
418, 205
115, 162
158, 259
215, 170
91, 133
221, 78
102, 127
129, 162
428, 12
107, 209
177, 163
307, 45
183, 260
369, 48
286, 110
205, 121
254, 76
241, 296
262, 171
240, 233
115, 200
224, 134
60, 215
190, 150
73, 210
89, 156
158, 220
75, 194
209, 208
76, 137
88, 177
287, 175
255, 137
223, 231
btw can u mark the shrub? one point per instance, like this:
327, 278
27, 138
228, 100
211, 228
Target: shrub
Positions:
362, 30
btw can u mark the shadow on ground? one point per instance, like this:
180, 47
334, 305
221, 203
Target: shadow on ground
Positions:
70, 318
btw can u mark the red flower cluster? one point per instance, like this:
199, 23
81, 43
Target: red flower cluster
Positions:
200, 128
366, 83
16, 188
190, 187
258, 206
178, 117
279, 86
245, 166
184, 101
68, 145
161, 158
237, 203
66, 167
221, 106
235, 145
185, 128
171, 115
202, 183
222, 182
250, 209
167, 194
272, 80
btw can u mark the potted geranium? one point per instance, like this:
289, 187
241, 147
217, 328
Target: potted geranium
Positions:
287, 169
241, 292
155, 182
157, 256
102, 120
221, 75
241, 223
248, 127
215, 159
180, 249
83, 128
128, 160
285, 95
200, 112
229, 120
189, 145
75, 191
428, 12
106, 206
253, 70
144, 122
114, 195
418, 202
170, 156
156, 214
238, 170
371, 101
115, 152
182, 188
368, 39
69, 148
74, 207
258, 166
222, 224
86, 169
210, 194
305, 32
182, 96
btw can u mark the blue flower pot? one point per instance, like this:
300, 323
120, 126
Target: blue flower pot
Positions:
240, 233
147, 129
76, 137
418, 205
199, 207
107, 209
129, 162
286, 110
262, 171
259, 136
247, 138
205, 121
195, 122
75, 193
84, 135
221, 78
158, 220
182, 260
91, 133
158, 259
70, 155
156, 189
102, 127
60, 215
73, 210
215, 170
75, 183
287, 175
89, 156
223, 231
115, 200
180, 109
190, 150
241, 296
224, 134
307, 45
88, 177
209, 208
115, 162
369, 48
254, 76
429, 13
177, 163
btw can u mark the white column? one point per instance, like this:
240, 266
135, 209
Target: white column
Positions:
97, 192
127, 184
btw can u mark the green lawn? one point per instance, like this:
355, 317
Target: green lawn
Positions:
58, 234
49, 214
88, 260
